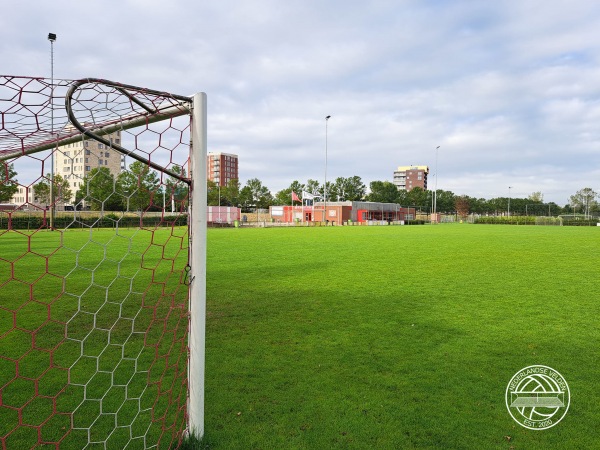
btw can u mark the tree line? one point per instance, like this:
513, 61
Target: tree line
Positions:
137, 189
254, 194
140, 188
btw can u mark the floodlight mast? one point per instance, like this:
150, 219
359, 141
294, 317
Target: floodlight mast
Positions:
52, 39
435, 187
325, 185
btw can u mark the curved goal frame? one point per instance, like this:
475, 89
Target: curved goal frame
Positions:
38, 129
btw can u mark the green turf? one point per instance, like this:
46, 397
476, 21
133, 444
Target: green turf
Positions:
397, 337
92, 321
353, 337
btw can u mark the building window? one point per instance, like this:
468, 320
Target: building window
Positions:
100, 145
100, 162
87, 168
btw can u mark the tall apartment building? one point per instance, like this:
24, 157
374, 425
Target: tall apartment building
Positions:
409, 177
222, 167
74, 161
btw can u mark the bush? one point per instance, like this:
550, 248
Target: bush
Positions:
111, 220
548, 221
532, 220
580, 222
506, 220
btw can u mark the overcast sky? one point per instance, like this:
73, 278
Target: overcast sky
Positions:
509, 89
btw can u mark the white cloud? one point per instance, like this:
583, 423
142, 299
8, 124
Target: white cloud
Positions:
508, 89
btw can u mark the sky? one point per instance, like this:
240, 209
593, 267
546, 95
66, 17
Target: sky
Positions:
509, 90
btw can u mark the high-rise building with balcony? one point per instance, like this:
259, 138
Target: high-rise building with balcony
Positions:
222, 168
74, 161
409, 177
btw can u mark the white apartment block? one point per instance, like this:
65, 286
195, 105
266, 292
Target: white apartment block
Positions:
74, 161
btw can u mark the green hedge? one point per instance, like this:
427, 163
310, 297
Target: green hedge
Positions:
581, 222
506, 220
532, 220
108, 221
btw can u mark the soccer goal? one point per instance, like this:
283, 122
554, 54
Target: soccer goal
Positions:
102, 265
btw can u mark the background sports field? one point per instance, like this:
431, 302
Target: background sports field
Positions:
398, 337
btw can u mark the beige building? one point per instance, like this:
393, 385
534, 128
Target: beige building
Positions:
73, 162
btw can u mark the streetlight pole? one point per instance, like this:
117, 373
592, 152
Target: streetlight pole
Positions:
325, 185
509, 188
435, 187
52, 38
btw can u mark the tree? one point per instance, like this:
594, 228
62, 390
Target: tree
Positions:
41, 191
230, 194
61, 191
349, 189
554, 209
536, 197
383, 191
8, 183
254, 194
139, 186
176, 190
312, 187
445, 201
213, 193
584, 199
479, 205
461, 205
98, 191
420, 198
284, 196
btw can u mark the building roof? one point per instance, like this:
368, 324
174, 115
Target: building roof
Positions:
405, 168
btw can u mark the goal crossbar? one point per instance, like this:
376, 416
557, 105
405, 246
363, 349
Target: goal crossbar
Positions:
176, 105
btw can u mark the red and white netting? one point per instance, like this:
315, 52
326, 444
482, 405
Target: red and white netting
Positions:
94, 264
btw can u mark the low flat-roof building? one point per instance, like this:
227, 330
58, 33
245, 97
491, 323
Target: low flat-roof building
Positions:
339, 213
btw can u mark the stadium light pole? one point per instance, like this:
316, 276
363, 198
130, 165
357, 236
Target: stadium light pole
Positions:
325, 185
509, 188
52, 38
435, 186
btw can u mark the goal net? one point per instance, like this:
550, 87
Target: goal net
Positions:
102, 257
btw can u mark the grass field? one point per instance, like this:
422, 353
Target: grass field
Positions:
397, 337
340, 337
93, 328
